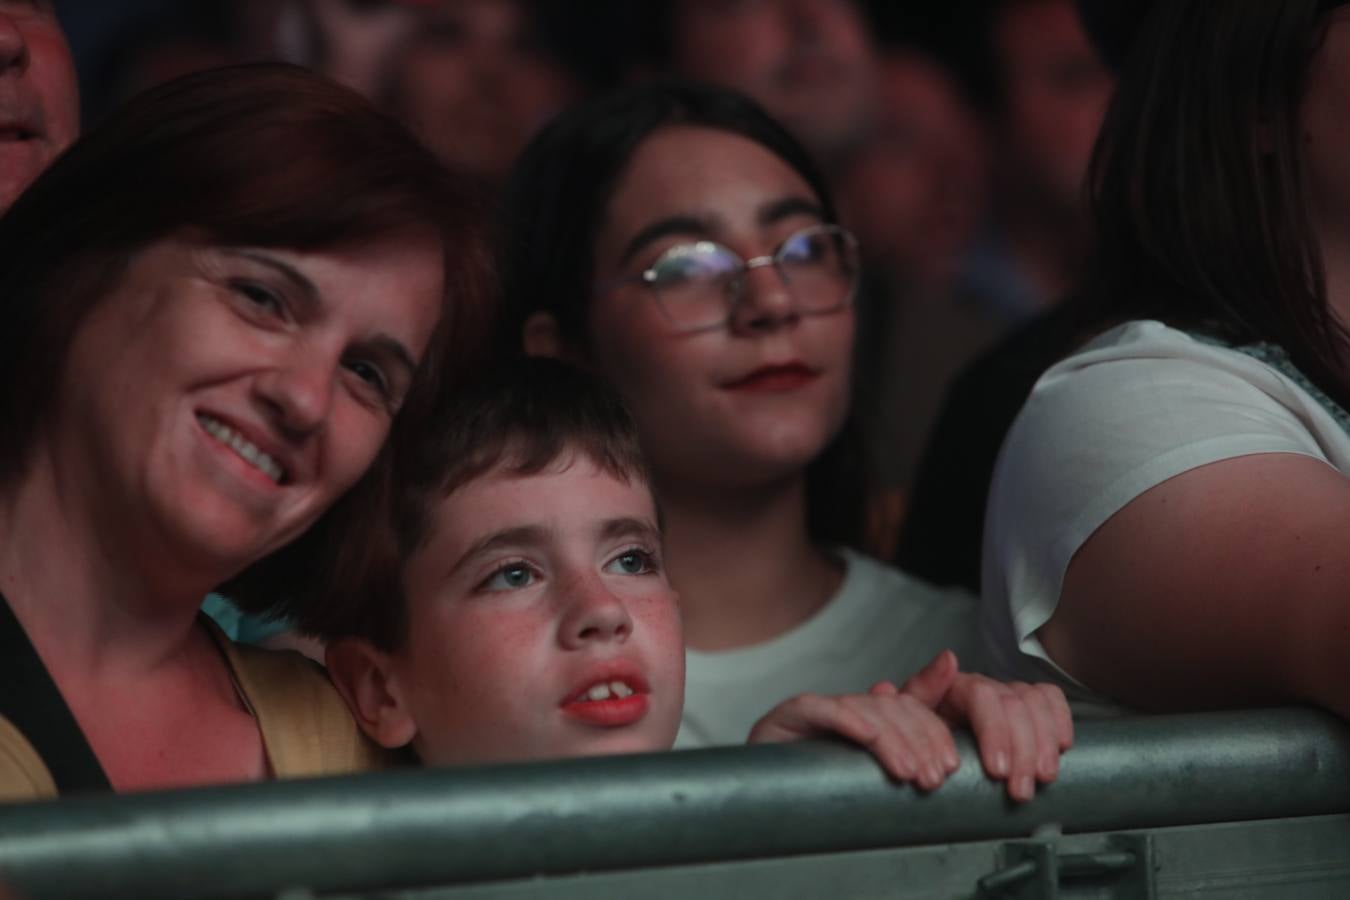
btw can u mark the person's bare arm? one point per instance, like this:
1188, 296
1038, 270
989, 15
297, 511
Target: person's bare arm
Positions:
1227, 585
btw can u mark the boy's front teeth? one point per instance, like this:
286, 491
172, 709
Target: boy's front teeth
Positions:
606, 690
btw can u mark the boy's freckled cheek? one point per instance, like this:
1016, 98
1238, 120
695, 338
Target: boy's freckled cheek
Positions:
662, 615
494, 642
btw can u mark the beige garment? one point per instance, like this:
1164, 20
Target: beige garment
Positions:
306, 729
22, 774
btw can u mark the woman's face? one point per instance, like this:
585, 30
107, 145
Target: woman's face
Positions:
220, 398
740, 404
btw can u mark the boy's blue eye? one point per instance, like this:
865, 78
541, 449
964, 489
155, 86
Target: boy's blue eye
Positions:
511, 577
632, 562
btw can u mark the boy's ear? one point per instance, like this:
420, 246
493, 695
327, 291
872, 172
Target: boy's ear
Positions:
541, 336
366, 679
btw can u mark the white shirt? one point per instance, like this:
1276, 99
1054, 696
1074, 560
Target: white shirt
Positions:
881, 625
1137, 406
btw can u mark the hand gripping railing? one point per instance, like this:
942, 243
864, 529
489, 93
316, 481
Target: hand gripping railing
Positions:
438, 827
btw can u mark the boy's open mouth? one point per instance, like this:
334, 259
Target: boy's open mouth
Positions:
609, 701
604, 690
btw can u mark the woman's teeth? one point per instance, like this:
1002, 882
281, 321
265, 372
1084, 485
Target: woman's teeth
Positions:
608, 690
247, 450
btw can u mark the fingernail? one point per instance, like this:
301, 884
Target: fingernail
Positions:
953, 761
935, 775
1000, 764
1026, 787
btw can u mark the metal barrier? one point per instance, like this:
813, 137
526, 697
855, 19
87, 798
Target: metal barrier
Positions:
410, 829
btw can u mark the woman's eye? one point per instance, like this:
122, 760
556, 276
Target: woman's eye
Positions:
633, 562
511, 577
371, 374
260, 296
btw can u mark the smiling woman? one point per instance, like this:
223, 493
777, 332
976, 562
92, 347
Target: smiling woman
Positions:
218, 305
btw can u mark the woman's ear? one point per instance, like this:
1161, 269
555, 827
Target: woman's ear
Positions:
542, 337
366, 679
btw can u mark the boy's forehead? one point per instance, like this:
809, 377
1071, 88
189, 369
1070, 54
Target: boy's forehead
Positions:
572, 490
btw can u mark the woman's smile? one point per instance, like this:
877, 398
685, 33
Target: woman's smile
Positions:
243, 448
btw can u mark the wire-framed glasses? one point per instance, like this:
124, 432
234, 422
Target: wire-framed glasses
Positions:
699, 285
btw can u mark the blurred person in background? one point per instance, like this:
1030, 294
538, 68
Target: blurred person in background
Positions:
916, 191
810, 63
157, 45
476, 80
916, 194
1050, 112
350, 41
39, 95
1044, 89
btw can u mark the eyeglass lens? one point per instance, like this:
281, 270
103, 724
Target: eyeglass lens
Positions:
699, 284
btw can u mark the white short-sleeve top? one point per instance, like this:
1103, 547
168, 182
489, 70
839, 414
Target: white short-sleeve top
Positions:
1135, 407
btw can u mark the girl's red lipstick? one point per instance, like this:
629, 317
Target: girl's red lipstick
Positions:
775, 379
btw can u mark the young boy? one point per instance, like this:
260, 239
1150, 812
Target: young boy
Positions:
522, 611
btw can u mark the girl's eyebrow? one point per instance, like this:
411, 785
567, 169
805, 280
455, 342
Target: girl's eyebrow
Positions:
770, 213
785, 208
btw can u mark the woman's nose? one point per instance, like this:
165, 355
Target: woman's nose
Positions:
298, 391
13, 44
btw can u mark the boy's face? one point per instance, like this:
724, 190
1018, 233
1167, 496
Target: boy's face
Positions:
540, 624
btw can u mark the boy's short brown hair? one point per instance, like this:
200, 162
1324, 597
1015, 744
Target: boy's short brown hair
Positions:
519, 416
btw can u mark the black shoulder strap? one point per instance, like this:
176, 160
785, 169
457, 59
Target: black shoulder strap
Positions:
30, 700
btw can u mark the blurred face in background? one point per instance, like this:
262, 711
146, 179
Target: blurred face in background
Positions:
348, 40
1055, 91
39, 96
810, 63
476, 84
915, 193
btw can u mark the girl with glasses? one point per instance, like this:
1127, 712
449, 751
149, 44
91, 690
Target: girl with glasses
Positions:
1167, 520
680, 242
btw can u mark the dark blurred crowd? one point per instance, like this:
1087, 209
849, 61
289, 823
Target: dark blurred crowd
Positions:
957, 136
